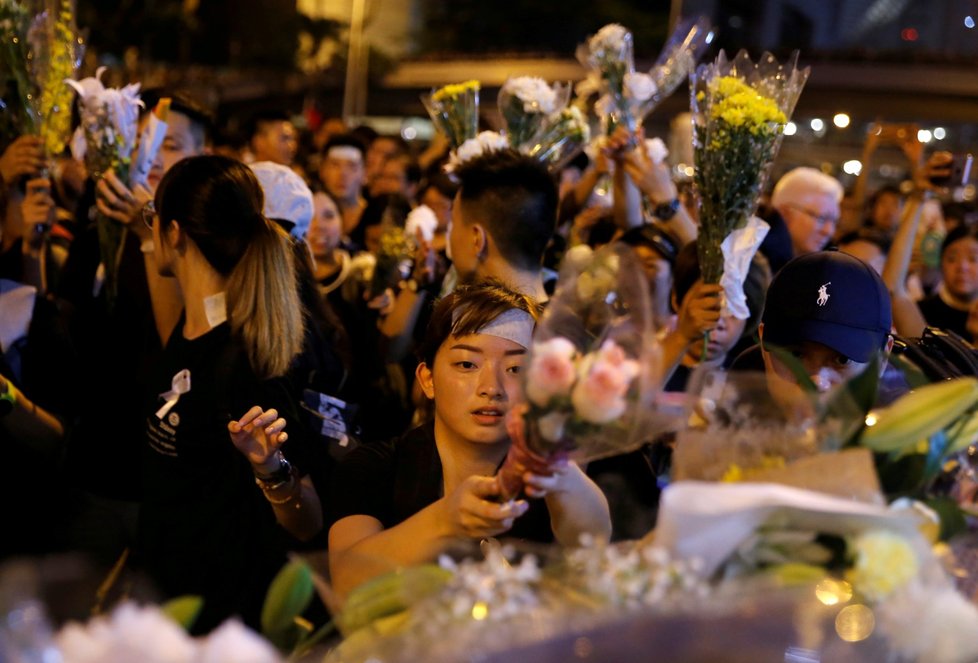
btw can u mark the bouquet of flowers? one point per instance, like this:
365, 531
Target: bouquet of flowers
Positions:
588, 383
454, 110
627, 96
395, 258
105, 140
869, 564
525, 103
739, 110
560, 138
43, 50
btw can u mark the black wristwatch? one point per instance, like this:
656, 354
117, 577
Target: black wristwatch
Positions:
279, 476
665, 211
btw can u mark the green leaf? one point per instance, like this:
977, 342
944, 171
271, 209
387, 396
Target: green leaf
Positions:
913, 375
952, 518
288, 596
183, 610
796, 367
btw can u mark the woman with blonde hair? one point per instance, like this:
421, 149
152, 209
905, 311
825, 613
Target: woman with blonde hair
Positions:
224, 495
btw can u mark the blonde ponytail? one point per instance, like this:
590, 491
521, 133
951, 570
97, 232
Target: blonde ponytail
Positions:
263, 304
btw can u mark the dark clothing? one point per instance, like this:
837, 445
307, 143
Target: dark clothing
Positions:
938, 314
121, 347
392, 481
776, 247
205, 527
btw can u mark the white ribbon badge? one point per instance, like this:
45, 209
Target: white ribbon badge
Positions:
179, 386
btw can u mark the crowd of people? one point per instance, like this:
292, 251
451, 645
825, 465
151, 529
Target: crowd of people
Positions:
251, 390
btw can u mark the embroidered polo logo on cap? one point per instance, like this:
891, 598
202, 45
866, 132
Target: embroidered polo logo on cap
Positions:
823, 294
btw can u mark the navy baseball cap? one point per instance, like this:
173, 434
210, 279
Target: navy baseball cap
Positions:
831, 298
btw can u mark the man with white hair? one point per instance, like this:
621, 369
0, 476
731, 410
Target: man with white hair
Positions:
806, 209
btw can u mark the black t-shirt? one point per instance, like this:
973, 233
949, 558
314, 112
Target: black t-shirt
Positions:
392, 481
938, 314
205, 527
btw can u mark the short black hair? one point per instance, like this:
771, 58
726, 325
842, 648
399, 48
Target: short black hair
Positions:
515, 197
440, 182
201, 118
868, 234
961, 232
256, 121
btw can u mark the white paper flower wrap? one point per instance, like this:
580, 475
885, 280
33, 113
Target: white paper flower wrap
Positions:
738, 250
421, 218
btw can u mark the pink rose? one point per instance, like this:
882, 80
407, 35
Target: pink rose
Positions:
599, 396
552, 371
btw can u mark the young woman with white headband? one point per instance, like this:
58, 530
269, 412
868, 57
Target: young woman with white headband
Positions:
405, 502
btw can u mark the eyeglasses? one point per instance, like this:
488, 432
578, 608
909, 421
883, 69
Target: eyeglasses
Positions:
149, 213
820, 219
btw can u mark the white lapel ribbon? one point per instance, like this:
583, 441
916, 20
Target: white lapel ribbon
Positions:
179, 386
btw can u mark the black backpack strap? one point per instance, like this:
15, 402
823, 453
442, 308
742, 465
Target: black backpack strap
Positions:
953, 348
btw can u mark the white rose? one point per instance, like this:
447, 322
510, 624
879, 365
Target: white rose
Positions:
421, 218
656, 150
639, 86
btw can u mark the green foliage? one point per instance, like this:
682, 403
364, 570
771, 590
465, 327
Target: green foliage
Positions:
288, 596
183, 610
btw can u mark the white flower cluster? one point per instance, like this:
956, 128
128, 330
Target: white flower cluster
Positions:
933, 624
608, 42
145, 634
486, 141
492, 588
537, 96
109, 116
656, 150
422, 218
639, 86
633, 576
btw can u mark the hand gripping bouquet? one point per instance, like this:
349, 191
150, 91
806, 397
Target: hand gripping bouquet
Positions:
454, 110
105, 140
588, 388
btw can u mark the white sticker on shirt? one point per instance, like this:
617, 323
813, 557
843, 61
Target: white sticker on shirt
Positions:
216, 309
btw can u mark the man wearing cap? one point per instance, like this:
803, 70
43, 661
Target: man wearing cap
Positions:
832, 312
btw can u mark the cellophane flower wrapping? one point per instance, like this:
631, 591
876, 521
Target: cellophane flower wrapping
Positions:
560, 138
395, 257
627, 96
609, 55
588, 385
739, 110
105, 140
454, 110
41, 48
525, 103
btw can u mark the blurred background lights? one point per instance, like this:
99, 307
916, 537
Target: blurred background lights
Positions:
925, 136
817, 125
790, 129
841, 120
969, 22
939, 133
852, 167
855, 623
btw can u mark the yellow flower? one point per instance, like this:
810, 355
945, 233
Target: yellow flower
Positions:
740, 105
884, 562
455, 90
733, 474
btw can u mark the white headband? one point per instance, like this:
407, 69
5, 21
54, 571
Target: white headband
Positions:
347, 152
514, 325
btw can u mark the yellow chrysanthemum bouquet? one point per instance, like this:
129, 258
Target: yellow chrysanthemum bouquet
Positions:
739, 110
454, 110
42, 48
